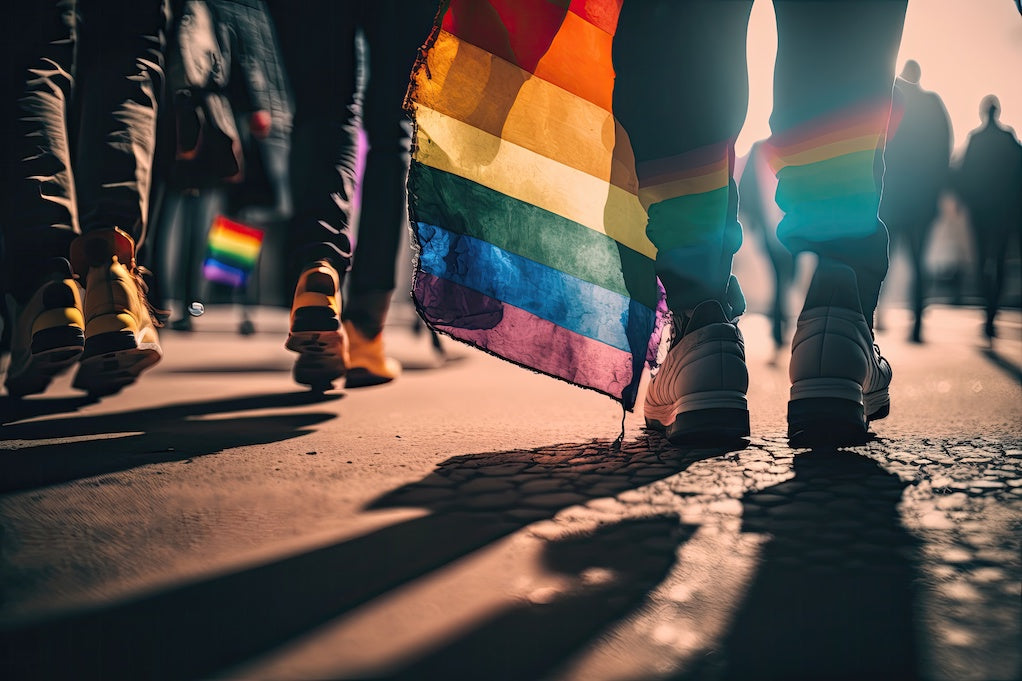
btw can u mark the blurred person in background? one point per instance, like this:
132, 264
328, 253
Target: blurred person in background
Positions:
916, 161
759, 214
989, 184
224, 142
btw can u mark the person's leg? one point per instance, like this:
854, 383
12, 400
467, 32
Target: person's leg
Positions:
993, 301
118, 85
783, 265
317, 41
984, 267
37, 189
392, 50
119, 82
918, 237
37, 200
681, 94
832, 97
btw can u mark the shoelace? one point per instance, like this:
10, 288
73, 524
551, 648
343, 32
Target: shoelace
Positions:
156, 315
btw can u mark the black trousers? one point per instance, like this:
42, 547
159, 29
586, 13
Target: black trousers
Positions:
81, 82
340, 85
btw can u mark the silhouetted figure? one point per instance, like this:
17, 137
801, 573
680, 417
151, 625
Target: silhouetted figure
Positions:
916, 158
760, 214
990, 185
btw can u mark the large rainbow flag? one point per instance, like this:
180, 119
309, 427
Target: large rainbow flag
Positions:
523, 195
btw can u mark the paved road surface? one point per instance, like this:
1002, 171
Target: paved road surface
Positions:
475, 521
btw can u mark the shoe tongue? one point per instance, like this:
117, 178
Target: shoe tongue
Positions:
56, 267
706, 313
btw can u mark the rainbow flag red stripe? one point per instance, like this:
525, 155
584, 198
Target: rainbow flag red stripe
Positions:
523, 194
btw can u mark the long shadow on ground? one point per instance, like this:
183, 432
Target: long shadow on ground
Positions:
834, 595
197, 629
530, 639
115, 442
832, 598
1012, 369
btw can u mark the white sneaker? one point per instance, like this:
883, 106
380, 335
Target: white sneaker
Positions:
839, 380
699, 392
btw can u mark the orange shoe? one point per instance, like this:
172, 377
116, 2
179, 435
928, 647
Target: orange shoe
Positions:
316, 333
120, 335
47, 335
368, 364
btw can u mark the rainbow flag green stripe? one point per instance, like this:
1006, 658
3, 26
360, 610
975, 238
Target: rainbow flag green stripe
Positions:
526, 230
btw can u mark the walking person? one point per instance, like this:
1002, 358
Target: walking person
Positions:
222, 59
916, 162
596, 156
367, 86
989, 183
759, 215
832, 97
82, 81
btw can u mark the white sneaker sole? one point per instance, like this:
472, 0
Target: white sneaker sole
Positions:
709, 415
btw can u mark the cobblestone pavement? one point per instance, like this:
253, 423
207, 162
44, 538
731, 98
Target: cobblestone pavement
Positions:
280, 537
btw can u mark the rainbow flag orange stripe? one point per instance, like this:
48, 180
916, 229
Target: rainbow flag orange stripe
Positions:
523, 194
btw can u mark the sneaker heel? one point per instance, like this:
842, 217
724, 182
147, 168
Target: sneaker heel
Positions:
109, 341
825, 421
57, 339
877, 405
709, 425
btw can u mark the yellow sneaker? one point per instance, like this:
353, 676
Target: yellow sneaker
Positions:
316, 333
48, 333
120, 335
368, 364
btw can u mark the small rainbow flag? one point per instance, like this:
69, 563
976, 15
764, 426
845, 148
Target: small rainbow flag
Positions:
232, 253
